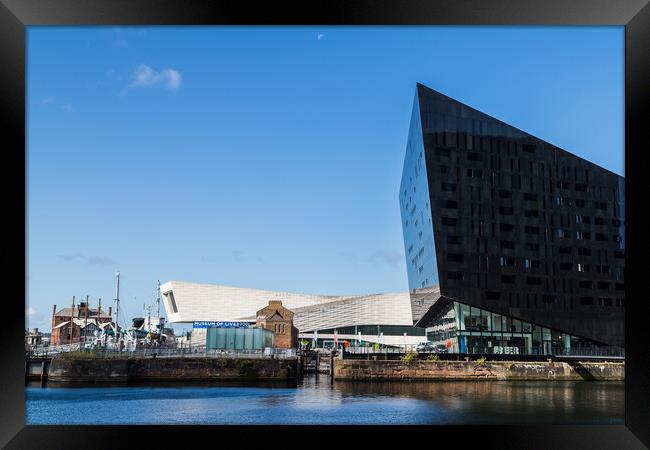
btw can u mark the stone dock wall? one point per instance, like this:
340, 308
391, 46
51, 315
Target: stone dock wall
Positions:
364, 370
124, 370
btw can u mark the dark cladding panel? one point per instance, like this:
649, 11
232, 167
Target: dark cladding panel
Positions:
520, 226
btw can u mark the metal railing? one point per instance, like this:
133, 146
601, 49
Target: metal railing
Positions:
610, 352
164, 352
380, 351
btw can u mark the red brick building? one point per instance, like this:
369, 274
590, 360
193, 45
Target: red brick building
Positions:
73, 325
279, 320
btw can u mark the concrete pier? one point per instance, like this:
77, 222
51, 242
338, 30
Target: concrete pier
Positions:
127, 370
364, 370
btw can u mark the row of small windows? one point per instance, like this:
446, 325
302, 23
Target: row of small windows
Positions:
535, 230
516, 183
585, 300
476, 210
508, 210
602, 301
581, 182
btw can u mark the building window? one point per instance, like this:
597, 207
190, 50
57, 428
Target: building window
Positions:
449, 187
531, 230
605, 301
171, 301
455, 257
533, 247
602, 269
449, 221
566, 265
449, 204
535, 281
505, 194
507, 244
586, 300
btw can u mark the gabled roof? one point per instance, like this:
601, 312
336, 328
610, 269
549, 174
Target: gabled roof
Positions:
92, 312
275, 316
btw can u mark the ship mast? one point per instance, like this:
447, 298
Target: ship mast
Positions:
158, 302
117, 302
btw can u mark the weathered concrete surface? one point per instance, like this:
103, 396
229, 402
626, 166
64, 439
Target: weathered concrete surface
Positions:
88, 370
471, 370
122, 370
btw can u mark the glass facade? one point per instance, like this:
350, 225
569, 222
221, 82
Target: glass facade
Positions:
422, 268
238, 338
464, 328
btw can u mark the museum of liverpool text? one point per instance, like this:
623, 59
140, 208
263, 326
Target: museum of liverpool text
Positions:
522, 243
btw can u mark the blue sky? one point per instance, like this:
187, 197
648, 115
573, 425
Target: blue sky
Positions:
269, 157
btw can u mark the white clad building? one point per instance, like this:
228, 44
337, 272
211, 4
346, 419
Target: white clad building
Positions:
380, 318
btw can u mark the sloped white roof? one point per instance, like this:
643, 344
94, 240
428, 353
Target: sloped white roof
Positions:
210, 302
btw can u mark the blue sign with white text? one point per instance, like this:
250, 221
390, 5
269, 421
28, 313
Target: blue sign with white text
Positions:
220, 324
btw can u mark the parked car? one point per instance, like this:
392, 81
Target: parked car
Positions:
425, 347
440, 348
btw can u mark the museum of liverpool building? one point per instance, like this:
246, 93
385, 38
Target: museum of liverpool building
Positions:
513, 245
383, 319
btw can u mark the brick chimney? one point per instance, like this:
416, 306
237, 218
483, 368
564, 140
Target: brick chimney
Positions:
53, 314
110, 311
81, 311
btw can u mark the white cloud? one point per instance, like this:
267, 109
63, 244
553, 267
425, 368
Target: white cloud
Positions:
173, 78
145, 76
67, 108
47, 100
30, 312
320, 36
91, 260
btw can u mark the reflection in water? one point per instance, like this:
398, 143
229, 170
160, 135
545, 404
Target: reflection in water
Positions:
314, 400
506, 402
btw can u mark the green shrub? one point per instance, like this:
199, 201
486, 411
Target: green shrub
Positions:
481, 361
433, 357
409, 356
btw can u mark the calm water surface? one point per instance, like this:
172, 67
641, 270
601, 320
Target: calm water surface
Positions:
315, 401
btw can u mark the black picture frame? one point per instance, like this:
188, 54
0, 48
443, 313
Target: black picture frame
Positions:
16, 15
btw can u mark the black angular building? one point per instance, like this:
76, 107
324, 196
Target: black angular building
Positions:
525, 240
